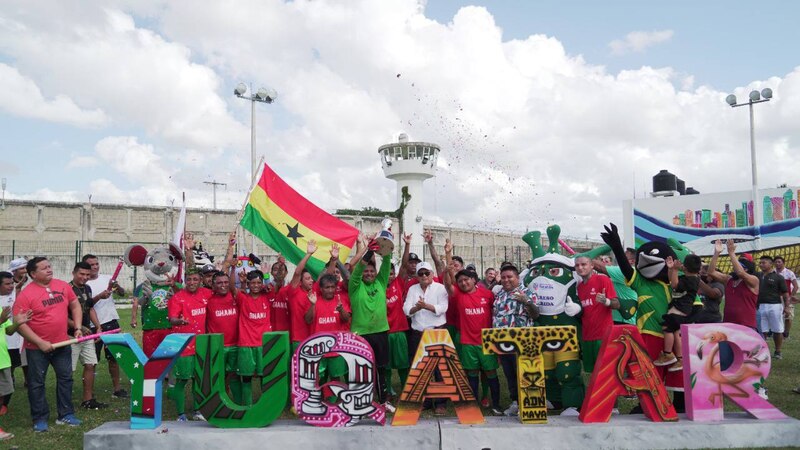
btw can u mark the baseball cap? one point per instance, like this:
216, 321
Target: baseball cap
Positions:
208, 268
413, 257
424, 266
17, 264
747, 256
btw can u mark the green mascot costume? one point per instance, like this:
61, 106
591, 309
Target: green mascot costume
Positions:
551, 278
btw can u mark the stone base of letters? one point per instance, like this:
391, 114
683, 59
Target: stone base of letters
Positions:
622, 432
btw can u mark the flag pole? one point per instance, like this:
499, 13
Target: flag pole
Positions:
252, 184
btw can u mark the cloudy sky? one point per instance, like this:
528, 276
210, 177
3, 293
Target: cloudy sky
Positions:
545, 113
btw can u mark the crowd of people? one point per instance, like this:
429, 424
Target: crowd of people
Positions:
388, 304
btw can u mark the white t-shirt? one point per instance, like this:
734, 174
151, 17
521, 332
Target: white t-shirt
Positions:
789, 276
105, 308
15, 340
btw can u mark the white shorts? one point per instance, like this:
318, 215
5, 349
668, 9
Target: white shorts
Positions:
83, 351
771, 317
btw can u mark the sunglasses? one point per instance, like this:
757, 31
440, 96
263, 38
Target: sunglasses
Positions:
424, 273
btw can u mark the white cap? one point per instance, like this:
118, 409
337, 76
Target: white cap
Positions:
424, 266
17, 264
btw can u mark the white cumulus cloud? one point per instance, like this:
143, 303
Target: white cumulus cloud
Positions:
638, 41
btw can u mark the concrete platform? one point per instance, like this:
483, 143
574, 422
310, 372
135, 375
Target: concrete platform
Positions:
623, 432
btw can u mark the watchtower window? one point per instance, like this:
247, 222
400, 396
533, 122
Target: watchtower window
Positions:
398, 153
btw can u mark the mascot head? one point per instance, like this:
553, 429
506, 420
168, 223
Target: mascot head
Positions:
551, 264
158, 263
651, 260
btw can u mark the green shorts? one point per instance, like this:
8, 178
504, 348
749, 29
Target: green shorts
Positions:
332, 367
184, 368
230, 354
248, 360
473, 358
589, 352
398, 350
455, 335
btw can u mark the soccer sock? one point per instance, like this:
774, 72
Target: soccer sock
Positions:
403, 377
484, 386
381, 385
388, 376
473, 383
246, 391
494, 386
179, 395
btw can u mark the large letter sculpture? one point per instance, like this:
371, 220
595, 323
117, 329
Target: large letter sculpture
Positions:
146, 375
436, 352
209, 383
355, 398
528, 344
624, 368
706, 381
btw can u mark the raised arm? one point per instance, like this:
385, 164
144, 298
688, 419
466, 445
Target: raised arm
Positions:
188, 254
449, 276
611, 237
312, 298
440, 268
298, 271
406, 252
229, 252
357, 264
712, 266
672, 271
751, 280
331, 266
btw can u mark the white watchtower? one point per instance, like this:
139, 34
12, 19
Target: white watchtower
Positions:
409, 164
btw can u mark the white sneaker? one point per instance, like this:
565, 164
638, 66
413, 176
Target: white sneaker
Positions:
513, 410
570, 412
198, 416
389, 407
549, 405
615, 412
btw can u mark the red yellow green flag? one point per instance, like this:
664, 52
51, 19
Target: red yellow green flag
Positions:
286, 221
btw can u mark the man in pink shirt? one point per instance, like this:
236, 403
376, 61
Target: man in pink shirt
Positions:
51, 301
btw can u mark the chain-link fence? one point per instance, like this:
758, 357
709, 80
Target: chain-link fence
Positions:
64, 254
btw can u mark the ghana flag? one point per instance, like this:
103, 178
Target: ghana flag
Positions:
286, 221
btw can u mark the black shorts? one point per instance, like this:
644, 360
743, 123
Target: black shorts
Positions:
16, 359
380, 347
672, 322
98, 346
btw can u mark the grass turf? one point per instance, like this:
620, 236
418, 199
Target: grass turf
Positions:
783, 378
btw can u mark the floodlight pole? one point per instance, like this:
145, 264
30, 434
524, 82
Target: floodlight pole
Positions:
758, 219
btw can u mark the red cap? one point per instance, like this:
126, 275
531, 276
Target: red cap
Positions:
747, 256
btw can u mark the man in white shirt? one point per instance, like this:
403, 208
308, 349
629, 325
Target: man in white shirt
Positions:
7, 297
102, 287
791, 285
15, 350
426, 303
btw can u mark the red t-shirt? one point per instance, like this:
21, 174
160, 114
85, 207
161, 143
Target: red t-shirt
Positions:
327, 317
740, 304
395, 295
597, 319
254, 319
474, 313
279, 309
50, 308
190, 307
298, 307
223, 317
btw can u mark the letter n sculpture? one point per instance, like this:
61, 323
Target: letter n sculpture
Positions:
725, 360
355, 398
528, 343
436, 357
624, 368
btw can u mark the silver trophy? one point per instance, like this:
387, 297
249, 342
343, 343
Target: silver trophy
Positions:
385, 238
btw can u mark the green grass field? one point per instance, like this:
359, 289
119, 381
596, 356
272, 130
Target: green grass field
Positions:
784, 377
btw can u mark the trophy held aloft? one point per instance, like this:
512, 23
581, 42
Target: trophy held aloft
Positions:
385, 238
